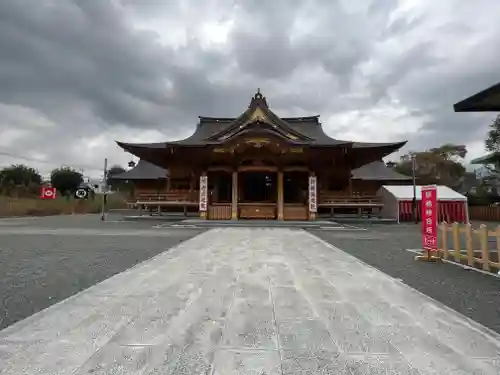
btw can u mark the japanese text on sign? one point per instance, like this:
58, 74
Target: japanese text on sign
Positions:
313, 204
203, 193
429, 218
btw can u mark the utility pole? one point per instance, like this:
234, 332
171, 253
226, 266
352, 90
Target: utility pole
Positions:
105, 188
413, 172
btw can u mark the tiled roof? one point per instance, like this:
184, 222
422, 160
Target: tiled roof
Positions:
377, 170
143, 171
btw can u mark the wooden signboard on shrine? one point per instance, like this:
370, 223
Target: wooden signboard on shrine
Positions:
203, 193
313, 202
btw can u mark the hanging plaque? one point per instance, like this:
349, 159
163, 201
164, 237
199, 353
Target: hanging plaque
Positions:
203, 193
313, 204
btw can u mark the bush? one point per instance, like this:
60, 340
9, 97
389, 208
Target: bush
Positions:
11, 207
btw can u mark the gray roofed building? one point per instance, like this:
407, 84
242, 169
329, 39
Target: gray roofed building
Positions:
143, 171
378, 171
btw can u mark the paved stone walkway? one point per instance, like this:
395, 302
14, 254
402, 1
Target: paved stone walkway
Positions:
249, 301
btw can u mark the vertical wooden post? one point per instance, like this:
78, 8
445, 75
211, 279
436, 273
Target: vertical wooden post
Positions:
485, 250
192, 182
456, 242
469, 244
280, 195
234, 197
444, 239
349, 173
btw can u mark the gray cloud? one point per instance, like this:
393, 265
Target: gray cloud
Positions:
76, 75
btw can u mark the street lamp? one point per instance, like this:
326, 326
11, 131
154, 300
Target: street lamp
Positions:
413, 172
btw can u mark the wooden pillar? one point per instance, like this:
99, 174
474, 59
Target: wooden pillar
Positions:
349, 173
313, 196
203, 203
169, 183
192, 182
234, 197
280, 195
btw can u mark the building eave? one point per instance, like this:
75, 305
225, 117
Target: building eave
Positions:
487, 100
492, 158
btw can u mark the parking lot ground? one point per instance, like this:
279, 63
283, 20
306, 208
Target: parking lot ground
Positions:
249, 301
45, 260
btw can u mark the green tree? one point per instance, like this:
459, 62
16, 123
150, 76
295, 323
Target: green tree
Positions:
441, 165
492, 142
66, 180
20, 179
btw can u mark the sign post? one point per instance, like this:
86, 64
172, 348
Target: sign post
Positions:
104, 196
429, 208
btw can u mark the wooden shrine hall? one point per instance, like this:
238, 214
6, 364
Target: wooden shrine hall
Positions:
260, 166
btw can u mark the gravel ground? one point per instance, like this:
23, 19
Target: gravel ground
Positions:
45, 260
471, 293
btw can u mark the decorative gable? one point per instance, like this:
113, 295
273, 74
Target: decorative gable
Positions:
259, 116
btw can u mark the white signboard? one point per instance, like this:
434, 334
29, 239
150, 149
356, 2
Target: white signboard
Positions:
203, 193
313, 203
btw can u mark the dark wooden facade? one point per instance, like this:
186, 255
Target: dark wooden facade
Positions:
261, 166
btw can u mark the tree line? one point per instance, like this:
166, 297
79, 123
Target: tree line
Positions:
20, 180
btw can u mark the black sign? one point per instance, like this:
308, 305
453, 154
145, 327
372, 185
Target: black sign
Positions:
81, 193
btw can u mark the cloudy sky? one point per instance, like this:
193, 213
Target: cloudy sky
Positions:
75, 75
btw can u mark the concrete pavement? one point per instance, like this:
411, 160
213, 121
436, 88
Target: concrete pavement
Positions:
46, 260
249, 301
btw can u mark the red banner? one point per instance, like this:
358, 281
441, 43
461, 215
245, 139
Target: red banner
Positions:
48, 193
429, 218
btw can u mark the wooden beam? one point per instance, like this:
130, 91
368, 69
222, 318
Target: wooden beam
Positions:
257, 168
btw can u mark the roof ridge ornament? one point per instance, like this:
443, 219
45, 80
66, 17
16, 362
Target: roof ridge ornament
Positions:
258, 100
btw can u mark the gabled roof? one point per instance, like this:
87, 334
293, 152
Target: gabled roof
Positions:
143, 171
487, 100
378, 171
306, 130
258, 111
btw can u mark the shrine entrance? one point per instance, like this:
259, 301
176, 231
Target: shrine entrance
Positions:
258, 194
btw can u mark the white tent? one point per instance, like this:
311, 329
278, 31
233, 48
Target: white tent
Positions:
398, 201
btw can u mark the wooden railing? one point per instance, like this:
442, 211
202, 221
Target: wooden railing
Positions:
333, 199
473, 247
484, 213
173, 196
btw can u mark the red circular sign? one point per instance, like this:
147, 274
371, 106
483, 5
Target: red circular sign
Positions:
48, 193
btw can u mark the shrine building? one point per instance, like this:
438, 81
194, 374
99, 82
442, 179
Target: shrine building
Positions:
261, 166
